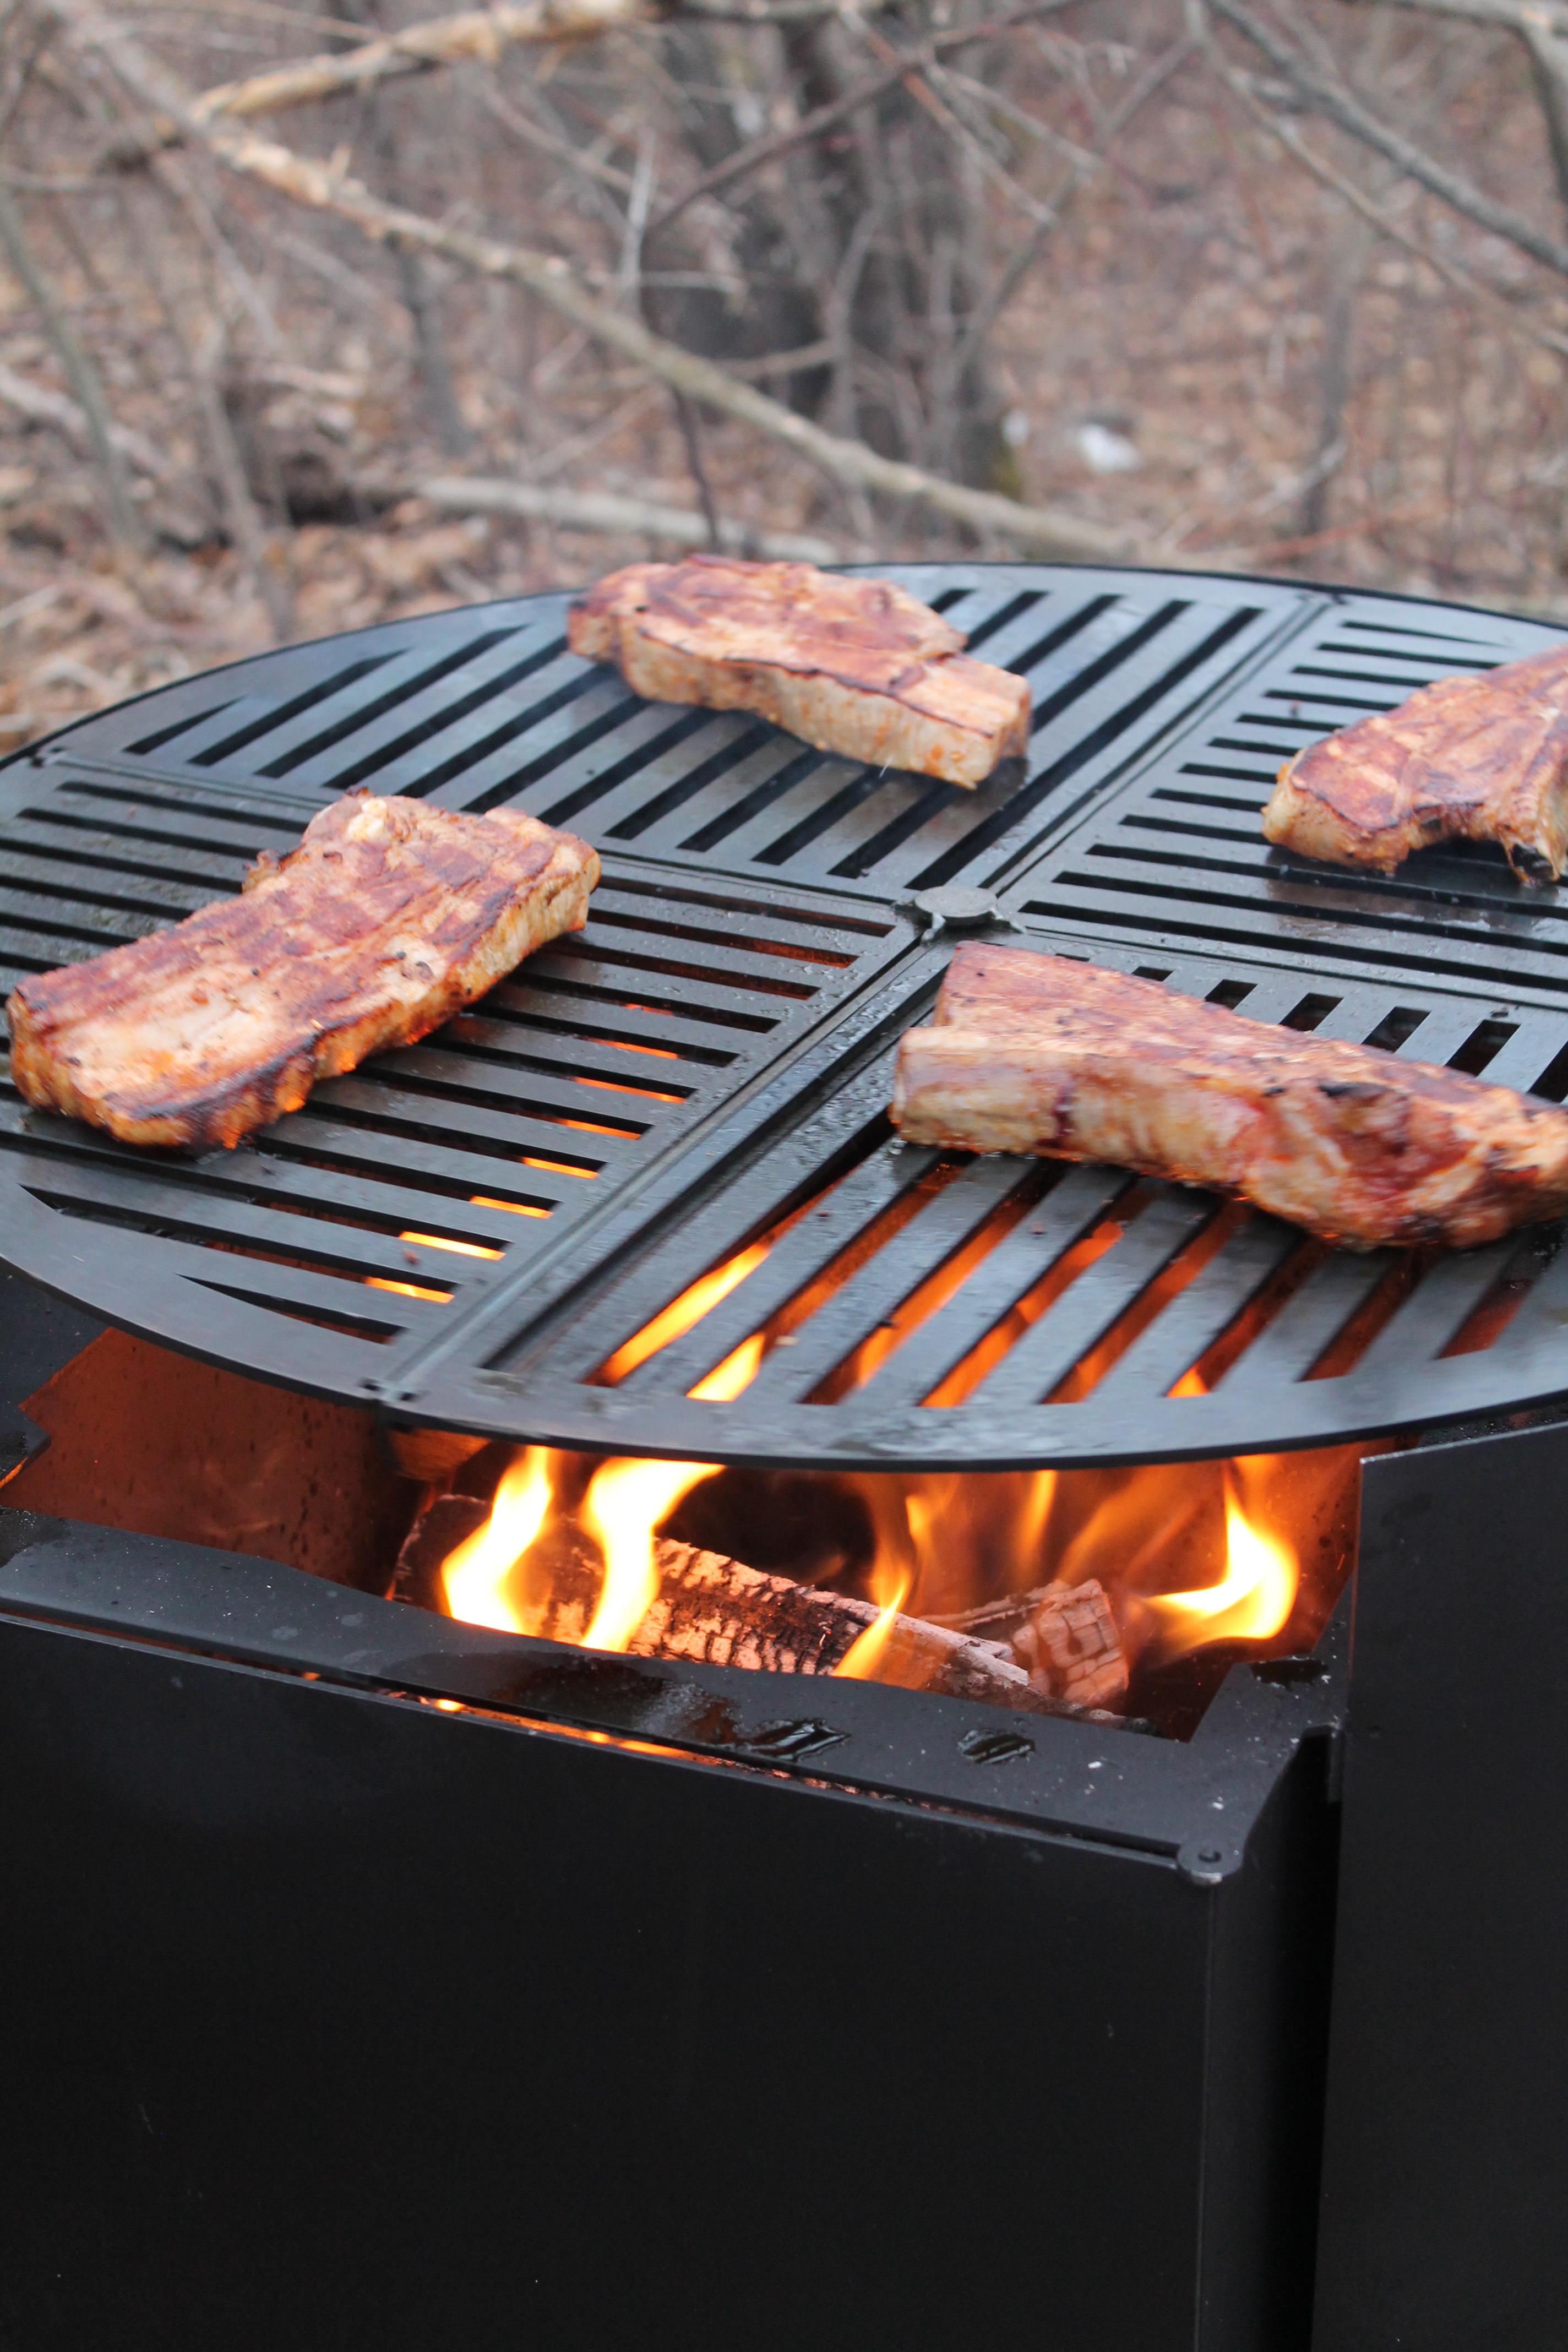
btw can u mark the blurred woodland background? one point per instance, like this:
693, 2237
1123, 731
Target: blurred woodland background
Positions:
310, 320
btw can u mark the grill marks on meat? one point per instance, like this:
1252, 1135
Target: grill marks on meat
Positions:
1033, 1053
856, 667
387, 918
1469, 759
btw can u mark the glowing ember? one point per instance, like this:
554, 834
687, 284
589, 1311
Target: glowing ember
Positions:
1252, 1600
621, 1509
476, 1575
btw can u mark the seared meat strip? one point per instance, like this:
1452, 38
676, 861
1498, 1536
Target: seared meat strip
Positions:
1037, 1054
1470, 759
856, 667
388, 918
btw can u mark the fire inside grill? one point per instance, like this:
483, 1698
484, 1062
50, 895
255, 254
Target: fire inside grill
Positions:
1126, 1592
1087, 1586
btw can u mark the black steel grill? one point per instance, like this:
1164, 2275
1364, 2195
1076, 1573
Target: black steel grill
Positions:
475, 1230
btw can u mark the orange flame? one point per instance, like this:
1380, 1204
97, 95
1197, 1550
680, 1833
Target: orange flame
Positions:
475, 1575
944, 1546
861, 1659
458, 1249
890, 1586
737, 1371
693, 1304
621, 1509
1252, 1600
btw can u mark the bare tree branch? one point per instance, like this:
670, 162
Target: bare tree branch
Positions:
1542, 27
1082, 169
1338, 107
80, 372
325, 187
606, 512
1516, 16
813, 126
247, 526
1378, 216
481, 33
41, 407
1549, 64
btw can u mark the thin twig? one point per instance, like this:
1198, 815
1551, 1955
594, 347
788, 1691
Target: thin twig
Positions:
604, 512
30, 65
41, 407
1340, 108
690, 434
1549, 65
247, 526
480, 33
574, 158
1515, 14
978, 332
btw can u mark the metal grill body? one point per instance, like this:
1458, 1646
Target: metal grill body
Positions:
468, 1231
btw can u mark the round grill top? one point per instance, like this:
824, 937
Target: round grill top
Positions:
644, 1197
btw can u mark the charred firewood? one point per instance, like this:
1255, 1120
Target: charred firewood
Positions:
724, 1613
1071, 1646
1065, 1635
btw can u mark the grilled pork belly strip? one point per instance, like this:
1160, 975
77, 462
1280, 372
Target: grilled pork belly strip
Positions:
856, 667
1037, 1054
388, 918
1468, 759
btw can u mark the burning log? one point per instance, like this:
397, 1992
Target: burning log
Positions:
1071, 1645
1065, 1636
725, 1615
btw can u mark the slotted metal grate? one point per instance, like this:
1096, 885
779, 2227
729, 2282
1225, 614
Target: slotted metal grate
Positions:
478, 709
1178, 858
654, 1167
930, 1309
400, 1193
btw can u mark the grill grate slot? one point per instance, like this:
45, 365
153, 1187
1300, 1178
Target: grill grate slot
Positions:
946, 1206
1155, 1343
1039, 1367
